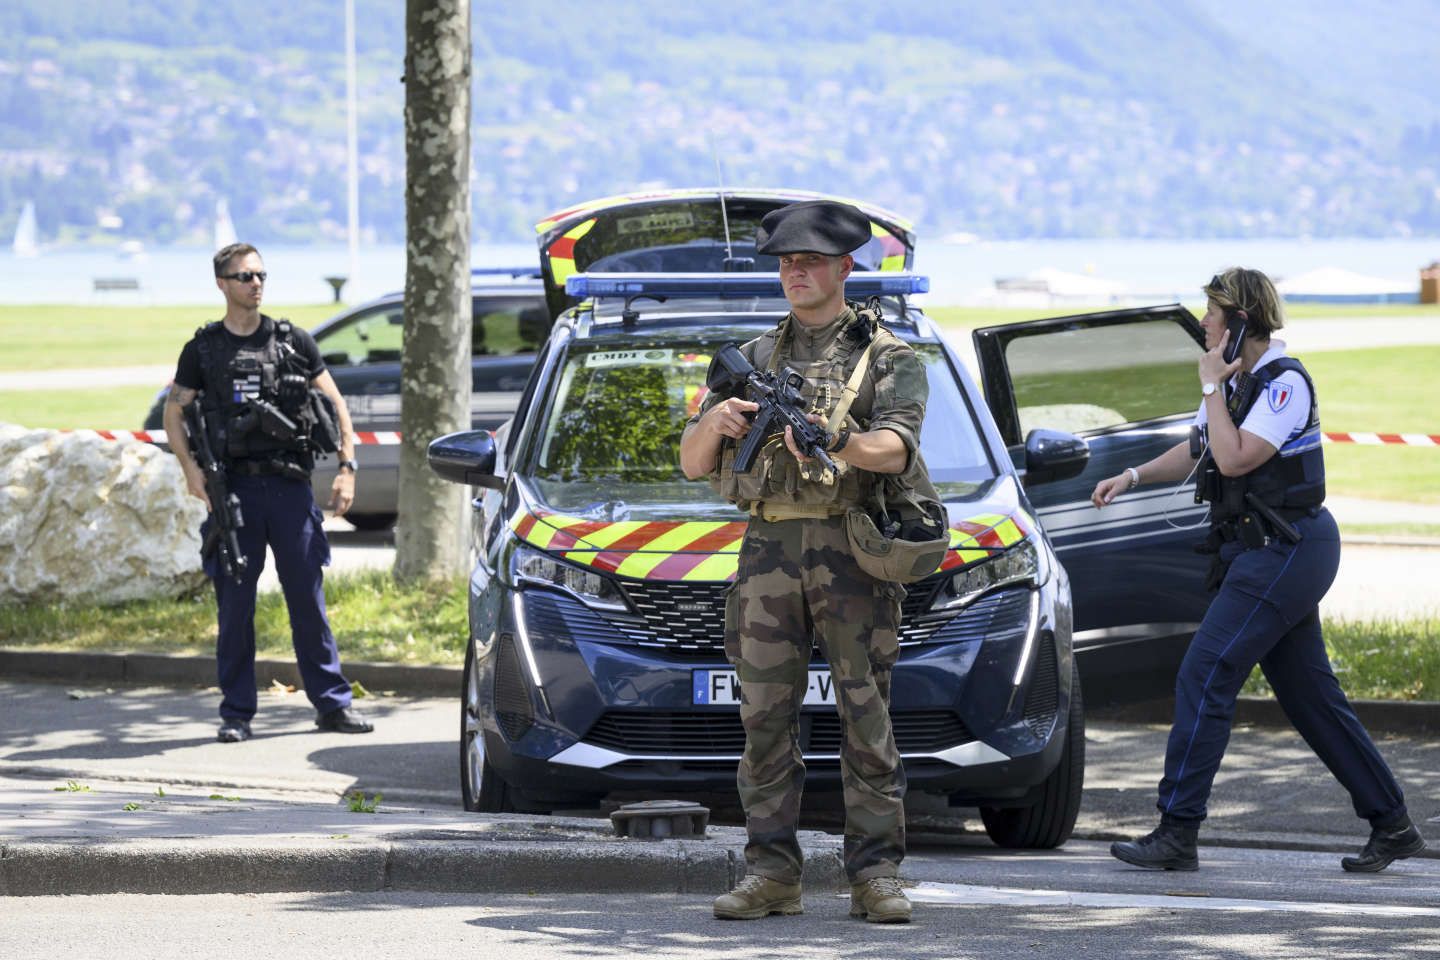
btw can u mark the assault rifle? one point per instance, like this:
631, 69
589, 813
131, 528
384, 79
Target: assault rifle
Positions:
225, 517
781, 406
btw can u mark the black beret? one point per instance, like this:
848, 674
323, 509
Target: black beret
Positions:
813, 226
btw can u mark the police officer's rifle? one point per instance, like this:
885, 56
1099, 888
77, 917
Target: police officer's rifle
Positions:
225, 516
781, 406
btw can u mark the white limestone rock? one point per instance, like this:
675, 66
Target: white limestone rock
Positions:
82, 517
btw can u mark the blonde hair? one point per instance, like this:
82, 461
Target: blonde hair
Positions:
1239, 288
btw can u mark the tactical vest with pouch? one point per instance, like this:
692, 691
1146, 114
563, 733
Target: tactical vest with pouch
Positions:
259, 407
779, 482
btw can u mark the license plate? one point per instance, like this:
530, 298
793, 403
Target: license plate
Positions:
723, 687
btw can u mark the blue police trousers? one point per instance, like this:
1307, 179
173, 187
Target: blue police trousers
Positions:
1267, 612
283, 514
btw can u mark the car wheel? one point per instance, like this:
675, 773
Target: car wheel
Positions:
371, 521
1050, 819
481, 788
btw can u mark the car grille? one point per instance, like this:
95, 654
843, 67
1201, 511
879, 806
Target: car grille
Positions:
689, 619
1043, 698
679, 732
687, 616
691, 616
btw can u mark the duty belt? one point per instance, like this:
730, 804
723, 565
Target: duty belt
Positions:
771, 512
266, 468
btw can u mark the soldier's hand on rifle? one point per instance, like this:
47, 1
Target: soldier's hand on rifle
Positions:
342, 492
790, 439
728, 417
195, 483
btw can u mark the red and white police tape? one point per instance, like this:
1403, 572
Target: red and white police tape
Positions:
364, 437
390, 438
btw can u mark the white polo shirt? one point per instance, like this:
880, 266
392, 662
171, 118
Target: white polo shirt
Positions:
1280, 413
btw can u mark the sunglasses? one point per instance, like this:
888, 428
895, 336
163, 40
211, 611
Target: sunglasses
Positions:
245, 276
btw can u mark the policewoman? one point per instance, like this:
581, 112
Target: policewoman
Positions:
1276, 551
799, 580
255, 381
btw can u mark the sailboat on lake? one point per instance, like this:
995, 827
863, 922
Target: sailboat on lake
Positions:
224, 226
26, 242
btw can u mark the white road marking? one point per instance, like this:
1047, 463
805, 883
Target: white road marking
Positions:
964, 893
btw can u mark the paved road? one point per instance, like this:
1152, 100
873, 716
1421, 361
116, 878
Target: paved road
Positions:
955, 923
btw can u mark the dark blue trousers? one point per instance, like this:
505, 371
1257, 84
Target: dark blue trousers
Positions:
283, 514
1267, 612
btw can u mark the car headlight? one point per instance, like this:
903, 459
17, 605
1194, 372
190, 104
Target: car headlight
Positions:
1022, 563
532, 566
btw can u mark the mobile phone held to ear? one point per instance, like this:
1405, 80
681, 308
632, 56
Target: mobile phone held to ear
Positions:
1237, 322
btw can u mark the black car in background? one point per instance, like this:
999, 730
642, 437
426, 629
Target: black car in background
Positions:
361, 347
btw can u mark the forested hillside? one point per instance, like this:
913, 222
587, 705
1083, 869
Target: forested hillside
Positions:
1052, 118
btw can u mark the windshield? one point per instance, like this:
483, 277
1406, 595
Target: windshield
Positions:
612, 431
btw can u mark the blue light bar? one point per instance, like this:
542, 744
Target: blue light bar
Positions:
683, 285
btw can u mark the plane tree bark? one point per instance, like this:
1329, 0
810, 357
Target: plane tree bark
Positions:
435, 364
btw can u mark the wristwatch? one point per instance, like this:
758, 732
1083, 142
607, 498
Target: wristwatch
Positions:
1207, 388
838, 444
352, 464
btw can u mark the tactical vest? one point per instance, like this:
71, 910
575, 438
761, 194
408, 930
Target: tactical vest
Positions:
777, 477
260, 406
1291, 480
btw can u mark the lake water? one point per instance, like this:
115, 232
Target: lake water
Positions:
1133, 270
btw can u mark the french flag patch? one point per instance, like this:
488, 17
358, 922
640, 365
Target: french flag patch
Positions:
1279, 395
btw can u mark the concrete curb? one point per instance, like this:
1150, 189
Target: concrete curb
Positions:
1379, 716
306, 864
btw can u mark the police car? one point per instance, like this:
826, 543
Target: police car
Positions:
362, 346
595, 661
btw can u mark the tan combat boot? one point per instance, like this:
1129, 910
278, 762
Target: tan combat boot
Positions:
879, 900
755, 897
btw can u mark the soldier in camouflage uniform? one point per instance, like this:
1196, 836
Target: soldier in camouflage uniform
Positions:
797, 577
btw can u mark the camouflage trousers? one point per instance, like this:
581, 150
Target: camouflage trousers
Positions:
797, 580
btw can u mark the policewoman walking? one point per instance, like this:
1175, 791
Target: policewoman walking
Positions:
254, 378
799, 581
1276, 551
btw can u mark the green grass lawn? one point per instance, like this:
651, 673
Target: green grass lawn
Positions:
45, 337
113, 408
373, 617
1379, 659
1387, 389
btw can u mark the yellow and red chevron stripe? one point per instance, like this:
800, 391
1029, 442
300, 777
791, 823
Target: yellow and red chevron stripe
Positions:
643, 549
562, 252
710, 550
976, 537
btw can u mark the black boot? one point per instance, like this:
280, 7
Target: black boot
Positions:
1392, 843
1170, 846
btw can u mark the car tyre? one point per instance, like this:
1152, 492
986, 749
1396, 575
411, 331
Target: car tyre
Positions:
1050, 819
371, 521
481, 789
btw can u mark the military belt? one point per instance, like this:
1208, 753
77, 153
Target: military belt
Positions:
771, 512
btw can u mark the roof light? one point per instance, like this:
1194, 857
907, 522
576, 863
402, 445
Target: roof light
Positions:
680, 285
517, 272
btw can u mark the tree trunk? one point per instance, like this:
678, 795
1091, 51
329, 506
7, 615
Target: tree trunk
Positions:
435, 366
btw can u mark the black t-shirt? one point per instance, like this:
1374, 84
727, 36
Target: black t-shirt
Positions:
189, 372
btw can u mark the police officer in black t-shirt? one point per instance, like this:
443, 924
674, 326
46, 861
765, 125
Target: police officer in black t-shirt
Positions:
237, 369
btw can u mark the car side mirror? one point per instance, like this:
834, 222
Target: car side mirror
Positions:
1051, 455
466, 457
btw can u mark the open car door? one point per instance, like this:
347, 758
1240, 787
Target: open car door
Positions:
690, 231
1125, 381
